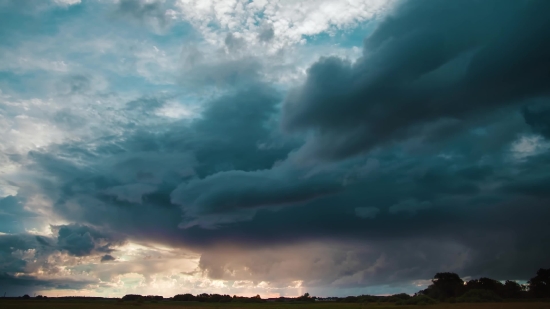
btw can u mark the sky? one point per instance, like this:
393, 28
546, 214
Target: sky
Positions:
271, 147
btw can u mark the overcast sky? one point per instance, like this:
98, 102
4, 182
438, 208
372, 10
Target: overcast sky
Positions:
272, 147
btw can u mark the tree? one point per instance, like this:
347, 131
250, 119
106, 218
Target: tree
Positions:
539, 286
445, 285
131, 297
512, 289
305, 297
184, 297
486, 284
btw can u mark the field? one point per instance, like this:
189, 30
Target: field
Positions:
108, 304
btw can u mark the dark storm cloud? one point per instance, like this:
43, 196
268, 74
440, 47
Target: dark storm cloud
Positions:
22, 256
430, 61
13, 215
235, 195
11, 205
458, 204
10, 244
75, 239
135, 176
22, 284
81, 240
444, 78
228, 170
337, 264
538, 117
534, 181
107, 258
235, 132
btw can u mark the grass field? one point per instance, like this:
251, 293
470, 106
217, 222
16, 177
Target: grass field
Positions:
107, 304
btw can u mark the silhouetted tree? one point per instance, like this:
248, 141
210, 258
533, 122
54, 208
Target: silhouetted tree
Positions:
484, 284
512, 289
184, 297
397, 297
479, 296
130, 297
373, 299
305, 297
242, 299
154, 297
350, 299
417, 300
444, 286
539, 286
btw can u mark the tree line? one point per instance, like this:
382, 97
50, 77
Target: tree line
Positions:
204, 297
450, 287
445, 287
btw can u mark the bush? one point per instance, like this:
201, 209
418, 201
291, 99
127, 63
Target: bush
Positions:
130, 297
478, 296
421, 300
184, 297
397, 297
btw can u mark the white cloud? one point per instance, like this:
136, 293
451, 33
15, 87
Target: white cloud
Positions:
67, 2
274, 32
290, 20
527, 146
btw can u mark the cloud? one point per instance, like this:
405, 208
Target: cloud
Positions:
221, 74
538, 117
31, 262
131, 192
231, 196
144, 11
528, 146
107, 258
411, 206
267, 34
367, 212
24, 284
13, 216
140, 170
290, 21
233, 43
163, 149
429, 62
81, 240
67, 2
338, 265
